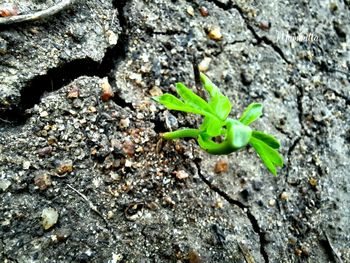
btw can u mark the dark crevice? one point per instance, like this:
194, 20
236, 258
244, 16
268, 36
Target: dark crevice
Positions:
169, 32
58, 77
300, 97
245, 209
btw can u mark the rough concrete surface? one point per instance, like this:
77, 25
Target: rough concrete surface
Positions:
115, 190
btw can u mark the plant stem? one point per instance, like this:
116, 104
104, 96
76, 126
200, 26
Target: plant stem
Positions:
193, 133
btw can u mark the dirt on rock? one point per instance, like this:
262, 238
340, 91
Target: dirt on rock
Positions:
86, 177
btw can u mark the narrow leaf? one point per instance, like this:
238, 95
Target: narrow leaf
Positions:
192, 99
173, 103
218, 102
267, 138
251, 113
268, 155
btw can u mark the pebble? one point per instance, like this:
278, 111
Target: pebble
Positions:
45, 151
313, 182
155, 91
190, 10
181, 174
272, 202
284, 196
221, 166
73, 93
44, 114
110, 214
124, 123
215, 34
4, 184
111, 37
49, 218
204, 11
65, 166
265, 25
26, 165
107, 92
42, 181
8, 9
128, 148
204, 64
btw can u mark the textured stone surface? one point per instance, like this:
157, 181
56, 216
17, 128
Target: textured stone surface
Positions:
119, 198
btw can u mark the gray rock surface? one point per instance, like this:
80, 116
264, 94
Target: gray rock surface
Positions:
82, 33
100, 164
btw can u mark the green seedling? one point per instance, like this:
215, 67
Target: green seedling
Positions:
235, 134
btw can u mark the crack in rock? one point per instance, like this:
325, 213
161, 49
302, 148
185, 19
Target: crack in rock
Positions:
57, 77
245, 209
230, 5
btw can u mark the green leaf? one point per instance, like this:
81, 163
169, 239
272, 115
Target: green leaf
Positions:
206, 143
218, 102
192, 99
241, 134
173, 103
267, 138
251, 113
212, 126
268, 155
181, 134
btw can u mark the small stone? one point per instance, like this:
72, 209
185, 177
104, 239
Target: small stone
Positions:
168, 200
26, 165
73, 93
284, 196
204, 11
44, 114
204, 64
215, 34
124, 123
107, 92
8, 9
4, 184
272, 202
298, 252
221, 166
92, 109
42, 181
45, 151
128, 148
313, 182
190, 10
219, 203
111, 37
49, 217
65, 166
181, 174
265, 25
128, 163
155, 91
110, 214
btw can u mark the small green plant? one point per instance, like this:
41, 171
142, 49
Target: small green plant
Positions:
235, 134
